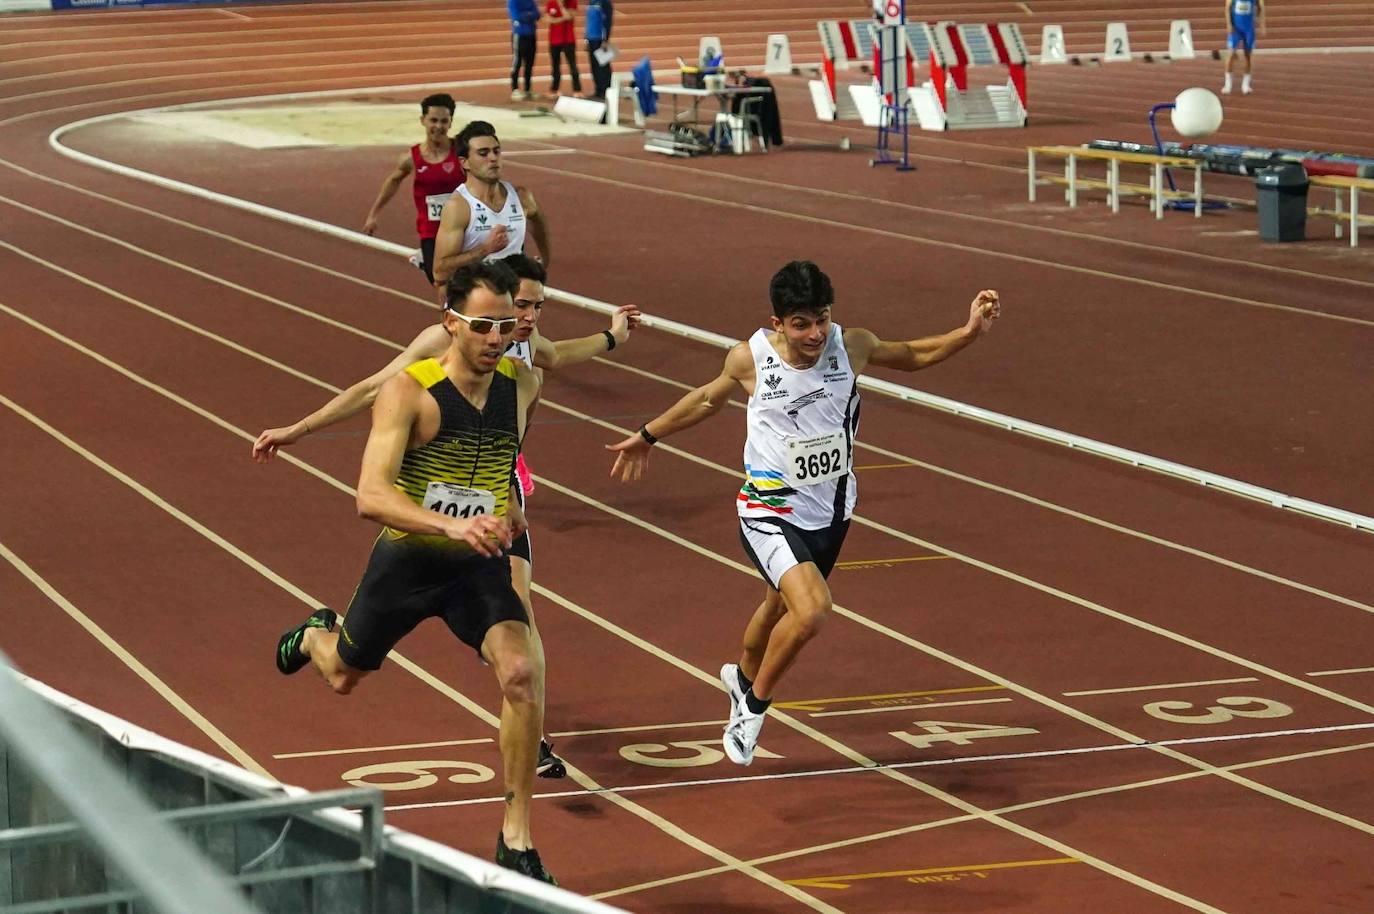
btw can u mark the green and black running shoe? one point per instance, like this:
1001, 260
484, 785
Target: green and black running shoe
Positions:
549, 765
289, 656
526, 862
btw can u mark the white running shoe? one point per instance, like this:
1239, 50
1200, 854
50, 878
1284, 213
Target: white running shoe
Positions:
1245, 87
742, 734
1226, 86
729, 677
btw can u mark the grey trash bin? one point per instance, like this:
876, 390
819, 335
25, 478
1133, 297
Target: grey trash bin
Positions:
1281, 192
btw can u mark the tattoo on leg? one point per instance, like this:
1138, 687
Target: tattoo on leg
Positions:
510, 797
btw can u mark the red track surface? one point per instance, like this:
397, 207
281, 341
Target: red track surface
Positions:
987, 567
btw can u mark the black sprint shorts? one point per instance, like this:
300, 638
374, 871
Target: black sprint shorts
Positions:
406, 583
427, 252
776, 547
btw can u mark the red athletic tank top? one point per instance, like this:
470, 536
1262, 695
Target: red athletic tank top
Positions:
434, 181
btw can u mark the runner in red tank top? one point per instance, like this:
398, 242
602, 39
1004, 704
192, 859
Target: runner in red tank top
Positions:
437, 173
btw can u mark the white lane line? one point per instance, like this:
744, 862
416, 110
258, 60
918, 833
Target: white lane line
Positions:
936, 704
959, 820
401, 747
905, 766
1362, 669
107, 641
1164, 685
233, 15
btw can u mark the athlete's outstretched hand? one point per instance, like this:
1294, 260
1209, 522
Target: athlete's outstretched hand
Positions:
487, 534
986, 308
631, 458
265, 448
625, 319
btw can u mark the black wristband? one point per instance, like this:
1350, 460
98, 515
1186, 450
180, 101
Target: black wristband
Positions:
610, 340
644, 433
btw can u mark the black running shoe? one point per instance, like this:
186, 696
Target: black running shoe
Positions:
526, 862
289, 656
549, 766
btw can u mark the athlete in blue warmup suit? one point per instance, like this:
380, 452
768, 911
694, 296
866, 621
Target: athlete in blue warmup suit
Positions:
1240, 35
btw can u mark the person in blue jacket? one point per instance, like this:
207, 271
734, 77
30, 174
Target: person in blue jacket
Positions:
524, 19
597, 31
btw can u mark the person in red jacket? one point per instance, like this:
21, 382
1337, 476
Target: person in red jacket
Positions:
437, 171
563, 43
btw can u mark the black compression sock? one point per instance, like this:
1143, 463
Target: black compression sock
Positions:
745, 683
755, 704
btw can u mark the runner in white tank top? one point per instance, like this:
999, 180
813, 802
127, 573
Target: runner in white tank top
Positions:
482, 220
799, 489
487, 218
798, 455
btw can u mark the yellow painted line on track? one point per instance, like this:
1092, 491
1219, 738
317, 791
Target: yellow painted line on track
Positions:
815, 704
843, 882
870, 563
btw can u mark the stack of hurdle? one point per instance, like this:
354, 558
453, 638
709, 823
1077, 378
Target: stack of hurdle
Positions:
844, 45
944, 101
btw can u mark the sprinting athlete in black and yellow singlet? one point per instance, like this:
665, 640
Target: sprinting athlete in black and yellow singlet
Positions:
437, 474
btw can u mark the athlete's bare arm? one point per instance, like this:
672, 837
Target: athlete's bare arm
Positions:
536, 225
389, 186
632, 454
394, 419
430, 343
555, 354
864, 348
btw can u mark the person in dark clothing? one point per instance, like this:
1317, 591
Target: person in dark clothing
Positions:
524, 16
597, 31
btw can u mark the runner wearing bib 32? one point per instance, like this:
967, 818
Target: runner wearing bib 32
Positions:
799, 489
437, 171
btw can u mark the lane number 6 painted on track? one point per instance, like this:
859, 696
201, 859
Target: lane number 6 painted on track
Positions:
704, 752
1225, 709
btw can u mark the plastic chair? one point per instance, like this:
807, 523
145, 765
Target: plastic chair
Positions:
753, 122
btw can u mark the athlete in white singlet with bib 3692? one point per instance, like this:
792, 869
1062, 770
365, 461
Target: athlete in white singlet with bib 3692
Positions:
799, 489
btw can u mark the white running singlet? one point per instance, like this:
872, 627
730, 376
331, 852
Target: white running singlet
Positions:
521, 351
482, 219
799, 453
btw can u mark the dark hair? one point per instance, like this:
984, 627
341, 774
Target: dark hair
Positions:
437, 100
800, 286
525, 267
473, 130
495, 276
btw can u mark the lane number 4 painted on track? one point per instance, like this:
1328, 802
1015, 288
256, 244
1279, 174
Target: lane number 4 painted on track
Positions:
960, 734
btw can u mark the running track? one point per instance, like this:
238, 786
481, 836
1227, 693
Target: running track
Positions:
1049, 599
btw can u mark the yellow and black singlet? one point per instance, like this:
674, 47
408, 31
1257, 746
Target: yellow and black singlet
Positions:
466, 469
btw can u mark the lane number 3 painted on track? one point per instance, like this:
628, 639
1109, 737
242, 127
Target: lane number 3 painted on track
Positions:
1225, 709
